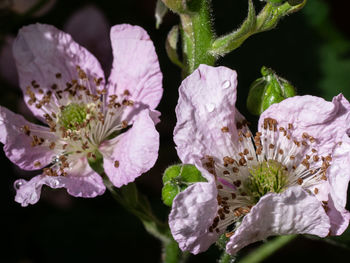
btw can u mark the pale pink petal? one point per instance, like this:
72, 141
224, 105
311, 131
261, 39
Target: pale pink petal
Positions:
135, 65
206, 104
89, 27
292, 212
193, 211
326, 121
17, 145
41, 51
338, 176
8, 69
82, 181
132, 153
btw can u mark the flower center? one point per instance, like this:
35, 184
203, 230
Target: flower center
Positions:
266, 177
72, 115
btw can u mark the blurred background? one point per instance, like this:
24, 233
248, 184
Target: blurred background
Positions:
311, 49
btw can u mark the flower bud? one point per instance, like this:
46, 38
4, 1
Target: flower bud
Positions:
267, 90
177, 178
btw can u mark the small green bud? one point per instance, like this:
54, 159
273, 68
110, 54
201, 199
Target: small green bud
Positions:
177, 178
267, 90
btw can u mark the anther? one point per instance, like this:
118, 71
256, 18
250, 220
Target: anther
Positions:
225, 129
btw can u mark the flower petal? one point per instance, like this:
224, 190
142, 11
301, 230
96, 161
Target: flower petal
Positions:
192, 213
326, 121
132, 153
338, 176
292, 212
135, 65
17, 144
41, 51
89, 27
206, 104
82, 181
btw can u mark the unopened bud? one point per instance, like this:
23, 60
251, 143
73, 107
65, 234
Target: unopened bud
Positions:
267, 90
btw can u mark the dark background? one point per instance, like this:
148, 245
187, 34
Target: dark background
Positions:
309, 48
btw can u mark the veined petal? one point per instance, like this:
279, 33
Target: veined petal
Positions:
338, 177
326, 121
205, 111
132, 153
192, 213
17, 135
48, 56
292, 212
82, 181
135, 66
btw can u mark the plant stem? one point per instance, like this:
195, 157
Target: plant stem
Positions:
129, 197
267, 249
197, 36
225, 258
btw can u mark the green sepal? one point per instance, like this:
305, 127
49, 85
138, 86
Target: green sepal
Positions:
267, 90
96, 162
177, 178
160, 12
171, 46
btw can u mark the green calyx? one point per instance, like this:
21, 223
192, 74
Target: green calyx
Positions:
267, 90
267, 177
72, 115
177, 178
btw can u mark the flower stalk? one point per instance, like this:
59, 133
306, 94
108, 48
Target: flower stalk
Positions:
267, 19
197, 36
267, 249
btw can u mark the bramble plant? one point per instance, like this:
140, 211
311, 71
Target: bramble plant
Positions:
234, 183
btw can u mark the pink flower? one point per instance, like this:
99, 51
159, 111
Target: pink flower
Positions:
64, 87
291, 177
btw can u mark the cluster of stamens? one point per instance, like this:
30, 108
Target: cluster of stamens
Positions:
270, 161
80, 116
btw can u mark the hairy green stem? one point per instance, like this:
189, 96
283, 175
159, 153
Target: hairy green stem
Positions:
197, 36
226, 258
267, 249
267, 19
